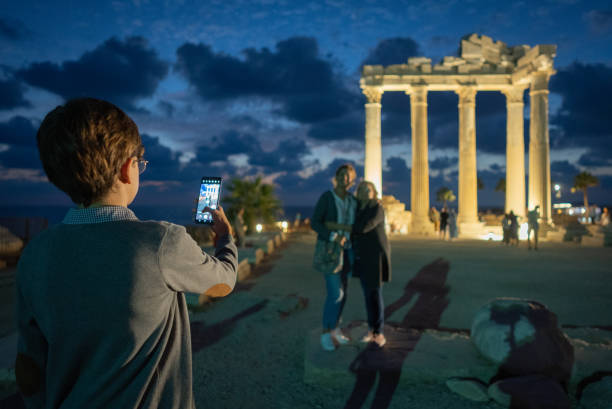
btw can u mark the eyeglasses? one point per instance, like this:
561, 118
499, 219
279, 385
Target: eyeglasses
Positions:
142, 165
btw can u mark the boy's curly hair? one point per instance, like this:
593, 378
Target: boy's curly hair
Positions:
82, 146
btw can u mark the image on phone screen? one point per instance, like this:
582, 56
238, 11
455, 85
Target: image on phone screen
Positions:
210, 190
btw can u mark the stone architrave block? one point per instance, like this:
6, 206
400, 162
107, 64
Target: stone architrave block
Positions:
523, 338
452, 61
444, 69
373, 70
418, 61
396, 69
467, 68
425, 68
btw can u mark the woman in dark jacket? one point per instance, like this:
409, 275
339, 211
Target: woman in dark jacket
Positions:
372, 257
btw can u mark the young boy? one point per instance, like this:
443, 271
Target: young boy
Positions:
102, 318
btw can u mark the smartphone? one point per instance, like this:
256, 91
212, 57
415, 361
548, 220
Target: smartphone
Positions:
210, 190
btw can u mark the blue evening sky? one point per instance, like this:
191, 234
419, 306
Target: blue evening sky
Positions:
271, 88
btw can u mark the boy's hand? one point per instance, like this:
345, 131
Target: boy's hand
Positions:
221, 226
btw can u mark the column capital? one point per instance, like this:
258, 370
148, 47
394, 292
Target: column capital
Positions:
514, 95
418, 94
467, 94
373, 94
538, 81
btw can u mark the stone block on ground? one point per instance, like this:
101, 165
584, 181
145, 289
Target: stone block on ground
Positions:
592, 353
596, 240
523, 337
471, 389
597, 395
531, 391
244, 269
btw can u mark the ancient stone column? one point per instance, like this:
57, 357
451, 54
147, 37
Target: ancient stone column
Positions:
468, 199
419, 191
539, 150
373, 147
515, 151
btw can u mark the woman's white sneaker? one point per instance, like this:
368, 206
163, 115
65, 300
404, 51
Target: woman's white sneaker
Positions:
380, 340
327, 342
368, 337
340, 337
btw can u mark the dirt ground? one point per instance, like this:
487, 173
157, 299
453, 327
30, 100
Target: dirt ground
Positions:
258, 347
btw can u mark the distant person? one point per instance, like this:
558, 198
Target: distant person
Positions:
533, 225
297, 221
605, 217
452, 224
506, 229
434, 216
372, 258
443, 222
101, 310
332, 220
514, 228
239, 229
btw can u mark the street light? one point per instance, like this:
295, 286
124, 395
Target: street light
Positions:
557, 190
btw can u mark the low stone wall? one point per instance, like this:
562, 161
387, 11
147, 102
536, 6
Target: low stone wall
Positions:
261, 246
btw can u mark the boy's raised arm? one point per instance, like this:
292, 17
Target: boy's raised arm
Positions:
186, 268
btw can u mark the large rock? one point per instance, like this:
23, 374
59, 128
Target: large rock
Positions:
523, 338
531, 392
10, 244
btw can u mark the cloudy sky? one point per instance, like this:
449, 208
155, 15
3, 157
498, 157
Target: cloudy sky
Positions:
271, 88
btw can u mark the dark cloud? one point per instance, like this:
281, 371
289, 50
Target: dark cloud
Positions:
443, 162
595, 158
13, 30
584, 118
118, 71
11, 94
167, 108
288, 156
599, 21
585, 110
563, 169
350, 126
294, 74
19, 134
392, 51
297, 190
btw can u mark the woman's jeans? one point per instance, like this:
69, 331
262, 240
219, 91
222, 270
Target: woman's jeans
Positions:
375, 307
336, 285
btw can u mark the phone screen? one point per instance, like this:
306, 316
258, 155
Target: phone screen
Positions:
210, 189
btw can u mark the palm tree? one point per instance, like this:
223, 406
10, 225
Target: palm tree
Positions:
583, 181
445, 195
501, 185
256, 198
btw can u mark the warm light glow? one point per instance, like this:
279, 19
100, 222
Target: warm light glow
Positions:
284, 225
259, 228
562, 205
492, 236
523, 230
